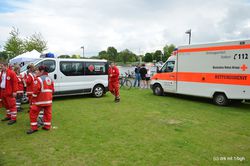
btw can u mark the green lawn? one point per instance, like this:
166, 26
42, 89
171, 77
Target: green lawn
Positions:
142, 129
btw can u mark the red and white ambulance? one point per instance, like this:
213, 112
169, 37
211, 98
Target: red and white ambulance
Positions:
220, 71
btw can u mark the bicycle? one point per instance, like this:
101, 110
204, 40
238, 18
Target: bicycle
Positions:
124, 82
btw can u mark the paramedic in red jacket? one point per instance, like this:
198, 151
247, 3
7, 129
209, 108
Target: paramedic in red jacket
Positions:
20, 87
42, 99
1, 103
9, 86
113, 74
29, 81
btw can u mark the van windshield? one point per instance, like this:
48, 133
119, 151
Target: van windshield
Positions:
168, 67
24, 68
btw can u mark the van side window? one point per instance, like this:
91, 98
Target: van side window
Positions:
72, 68
168, 67
51, 64
96, 68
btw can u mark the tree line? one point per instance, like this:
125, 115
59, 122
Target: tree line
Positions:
126, 55
15, 45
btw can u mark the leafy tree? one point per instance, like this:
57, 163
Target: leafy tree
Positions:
157, 55
94, 57
14, 45
168, 51
148, 57
76, 56
63, 56
126, 56
103, 55
35, 42
3, 55
112, 53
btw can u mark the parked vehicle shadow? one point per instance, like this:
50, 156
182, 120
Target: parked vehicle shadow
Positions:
233, 104
72, 97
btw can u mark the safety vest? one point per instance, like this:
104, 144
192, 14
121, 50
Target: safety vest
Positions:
30, 84
20, 83
44, 93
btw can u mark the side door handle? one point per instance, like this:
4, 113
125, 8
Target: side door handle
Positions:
55, 76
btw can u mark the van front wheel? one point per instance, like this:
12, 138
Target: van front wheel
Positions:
157, 89
98, 91
220, 99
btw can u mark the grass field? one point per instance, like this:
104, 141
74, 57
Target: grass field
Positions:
142, 129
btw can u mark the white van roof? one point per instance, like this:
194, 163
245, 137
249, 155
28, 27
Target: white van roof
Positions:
71, 59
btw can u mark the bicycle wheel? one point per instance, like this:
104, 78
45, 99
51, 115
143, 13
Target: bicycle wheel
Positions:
127, 84
120, 83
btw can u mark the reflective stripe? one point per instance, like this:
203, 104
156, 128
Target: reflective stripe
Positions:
19, 92
46, 90
47, 123
34, 95
215, 48
33, 123
43, 102
31, 76
29, 92
42, 88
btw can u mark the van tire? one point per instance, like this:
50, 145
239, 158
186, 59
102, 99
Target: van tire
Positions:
220, 99
157, 90
98, 91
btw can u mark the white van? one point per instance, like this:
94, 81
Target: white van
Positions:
76, 76
220, 71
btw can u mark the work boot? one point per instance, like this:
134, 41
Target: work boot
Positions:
30, 131
117, 99
11, 122
44, 128
5, 119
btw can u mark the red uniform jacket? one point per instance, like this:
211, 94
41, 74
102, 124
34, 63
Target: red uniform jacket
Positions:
29, 84
43, 91
11, 84
20, 83
113, 73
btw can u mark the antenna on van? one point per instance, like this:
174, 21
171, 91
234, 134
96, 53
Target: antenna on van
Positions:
189, 34
82, 51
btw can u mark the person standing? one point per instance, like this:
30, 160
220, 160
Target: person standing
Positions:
42, 99
113, 74
137, 76
148, 77
29, 81
9, 86
1, 103
20, 88
143, 72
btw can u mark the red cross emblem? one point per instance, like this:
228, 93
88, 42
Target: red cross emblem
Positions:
244, 67
91, 68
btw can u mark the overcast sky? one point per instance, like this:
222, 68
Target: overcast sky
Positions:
139, 25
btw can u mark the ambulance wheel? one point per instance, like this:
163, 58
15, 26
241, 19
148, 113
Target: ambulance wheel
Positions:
157, 89
98, 91
220, 99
